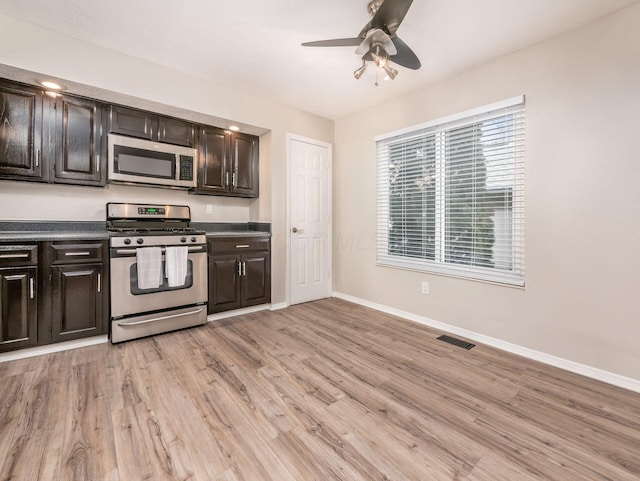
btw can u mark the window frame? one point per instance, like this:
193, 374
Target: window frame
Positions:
515, 277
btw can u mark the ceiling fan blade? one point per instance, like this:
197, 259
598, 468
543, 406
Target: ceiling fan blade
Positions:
405, 55
390, 15
336, 42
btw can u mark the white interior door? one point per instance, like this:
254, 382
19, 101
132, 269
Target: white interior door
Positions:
310, 220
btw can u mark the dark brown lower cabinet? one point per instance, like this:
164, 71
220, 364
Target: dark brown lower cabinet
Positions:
78, 297
77, 302
18, 307
256, 279
224, 283
52, 292
239, 273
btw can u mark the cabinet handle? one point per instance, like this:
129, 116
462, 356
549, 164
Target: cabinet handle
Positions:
98, 163
99, 282
38, 158
239, 269
233, 179
244, 269
32, 290
242, 246
227, 179
83, 253
13, 256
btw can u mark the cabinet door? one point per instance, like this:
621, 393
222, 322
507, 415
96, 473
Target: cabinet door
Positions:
18, 308
224, 283
134, 123
79, 157
213, 175
175, 131
77, 301
256, 279
244, 155
20, 132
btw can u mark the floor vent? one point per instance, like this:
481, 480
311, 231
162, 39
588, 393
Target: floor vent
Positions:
456, 342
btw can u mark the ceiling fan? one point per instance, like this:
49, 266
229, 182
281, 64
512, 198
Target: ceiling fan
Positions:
377, 41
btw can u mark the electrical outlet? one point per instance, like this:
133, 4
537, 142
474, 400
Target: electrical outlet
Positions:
209, 209
425, 287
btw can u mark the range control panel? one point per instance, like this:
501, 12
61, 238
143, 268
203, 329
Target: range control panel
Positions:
152, 211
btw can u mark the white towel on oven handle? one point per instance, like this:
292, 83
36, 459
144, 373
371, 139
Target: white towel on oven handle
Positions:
149, 260
176, 265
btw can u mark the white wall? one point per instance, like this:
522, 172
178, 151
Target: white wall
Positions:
112, 76
582, 199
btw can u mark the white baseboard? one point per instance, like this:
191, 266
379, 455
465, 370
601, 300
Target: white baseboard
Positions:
237, 312
50, 348
278, 306
588, 371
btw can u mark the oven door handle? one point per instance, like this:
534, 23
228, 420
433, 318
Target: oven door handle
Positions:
133, 251
147, 321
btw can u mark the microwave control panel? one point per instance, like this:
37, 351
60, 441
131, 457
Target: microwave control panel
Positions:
186, 167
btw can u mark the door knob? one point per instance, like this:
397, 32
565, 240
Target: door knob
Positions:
295, 229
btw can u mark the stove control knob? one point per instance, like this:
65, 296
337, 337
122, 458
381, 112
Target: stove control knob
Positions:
139, 240
127, 241
183, 239
193, 239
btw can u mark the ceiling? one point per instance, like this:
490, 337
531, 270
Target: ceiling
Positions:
254, 45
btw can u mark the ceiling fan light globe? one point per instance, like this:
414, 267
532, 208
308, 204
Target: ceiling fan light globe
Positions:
380, 56
391, 72
359, 71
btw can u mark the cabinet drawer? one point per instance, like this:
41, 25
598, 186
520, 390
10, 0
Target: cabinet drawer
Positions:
238, 244
72, 253
18, 255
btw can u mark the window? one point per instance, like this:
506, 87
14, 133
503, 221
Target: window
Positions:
451, 195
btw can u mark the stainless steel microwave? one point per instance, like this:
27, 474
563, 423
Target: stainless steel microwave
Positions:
141, 161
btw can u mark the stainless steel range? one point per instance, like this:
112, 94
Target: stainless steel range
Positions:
158, 270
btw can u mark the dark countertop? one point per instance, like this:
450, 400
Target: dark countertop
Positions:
35, 236
238, 234
234, 229
34, 231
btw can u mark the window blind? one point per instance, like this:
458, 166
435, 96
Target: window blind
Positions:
451, 195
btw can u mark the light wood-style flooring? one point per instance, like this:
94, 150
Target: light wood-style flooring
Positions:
321, 391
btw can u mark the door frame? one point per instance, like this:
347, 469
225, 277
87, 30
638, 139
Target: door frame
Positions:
329, 147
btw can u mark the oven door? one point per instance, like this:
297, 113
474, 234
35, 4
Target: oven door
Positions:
127, 299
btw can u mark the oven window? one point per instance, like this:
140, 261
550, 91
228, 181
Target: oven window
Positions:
147, 163
136, 291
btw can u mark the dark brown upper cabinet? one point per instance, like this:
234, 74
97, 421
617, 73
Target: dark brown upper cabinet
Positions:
150, 126
80, 146
244, 165
21, 132
50, 137
213, 173
228, 163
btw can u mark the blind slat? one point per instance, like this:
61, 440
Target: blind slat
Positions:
451, 196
